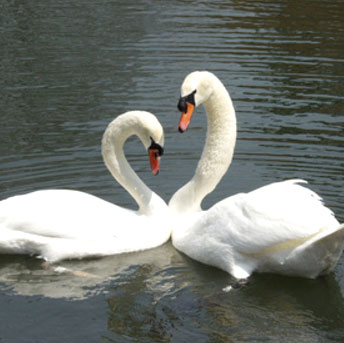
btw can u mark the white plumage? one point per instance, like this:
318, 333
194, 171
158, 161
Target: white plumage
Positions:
61, 224
282, 227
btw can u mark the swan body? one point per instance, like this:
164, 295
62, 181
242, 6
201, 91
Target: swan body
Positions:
281, 228
65, 224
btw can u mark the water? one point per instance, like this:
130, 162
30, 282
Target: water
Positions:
68, 68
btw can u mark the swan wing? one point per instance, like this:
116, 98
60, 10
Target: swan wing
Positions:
62, 214
59, 224
278, 216
274, 228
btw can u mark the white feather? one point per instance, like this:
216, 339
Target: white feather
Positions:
282, 227
61, 224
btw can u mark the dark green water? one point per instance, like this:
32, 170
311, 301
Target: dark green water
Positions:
69, 67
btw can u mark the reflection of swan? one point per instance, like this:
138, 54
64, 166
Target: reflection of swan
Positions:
60, 224
282, 227
23, 277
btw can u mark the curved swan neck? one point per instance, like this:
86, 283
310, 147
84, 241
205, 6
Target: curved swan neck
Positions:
217, 152
117, 132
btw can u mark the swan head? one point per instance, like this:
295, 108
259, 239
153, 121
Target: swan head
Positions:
151, 134
155, 150
142, 124
196, 89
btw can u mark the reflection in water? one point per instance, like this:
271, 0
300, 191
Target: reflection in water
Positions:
134, 310
160, 295
291, 308
26, 276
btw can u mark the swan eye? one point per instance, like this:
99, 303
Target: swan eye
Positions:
182, 107
157, 147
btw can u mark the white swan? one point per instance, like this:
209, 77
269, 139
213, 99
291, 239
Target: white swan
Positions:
61, 224
282, 228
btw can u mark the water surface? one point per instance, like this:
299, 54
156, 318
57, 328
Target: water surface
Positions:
68, 68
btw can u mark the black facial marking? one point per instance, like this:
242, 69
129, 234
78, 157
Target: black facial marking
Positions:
182, 107
156, 146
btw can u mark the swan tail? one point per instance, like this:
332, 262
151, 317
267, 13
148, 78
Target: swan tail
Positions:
320, 254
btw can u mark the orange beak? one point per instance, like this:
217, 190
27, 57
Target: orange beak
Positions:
154, 160
185, 118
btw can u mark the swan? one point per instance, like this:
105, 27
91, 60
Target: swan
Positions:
281, 228
68, 224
